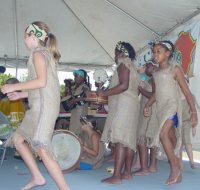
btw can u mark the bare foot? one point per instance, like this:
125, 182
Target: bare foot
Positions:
141, 173
34, 183
127, 176
178, 179
193, 165
175, 177
112, 180
152, 169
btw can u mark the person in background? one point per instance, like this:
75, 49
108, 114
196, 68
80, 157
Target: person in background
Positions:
92, 155
79, 93
43, 91
187, 131
147, 126
121, 124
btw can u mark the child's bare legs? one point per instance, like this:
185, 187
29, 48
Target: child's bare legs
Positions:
136, 163
153, 160
189, 151
54, 170
128, 164
175, 173
143, 152
27, 156
118, 164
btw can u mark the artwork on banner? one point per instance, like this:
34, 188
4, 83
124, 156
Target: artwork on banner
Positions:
185, 44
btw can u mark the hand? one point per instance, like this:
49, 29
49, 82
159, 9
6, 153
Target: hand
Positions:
7, 88
194, 119
194, 129
142, 84
147, 111
14, 95
100, 92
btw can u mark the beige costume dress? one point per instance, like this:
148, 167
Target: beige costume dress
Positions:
124, 108
95, 161
38, 124
79, 110
168, 103
147, 126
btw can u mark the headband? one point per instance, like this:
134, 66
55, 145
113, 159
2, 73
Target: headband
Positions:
120, 47
39, 33
166, 44
79, 72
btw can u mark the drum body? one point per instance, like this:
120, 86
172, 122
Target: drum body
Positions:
92, 97
67, 149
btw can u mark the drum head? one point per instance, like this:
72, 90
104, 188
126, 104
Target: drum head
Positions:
67, 149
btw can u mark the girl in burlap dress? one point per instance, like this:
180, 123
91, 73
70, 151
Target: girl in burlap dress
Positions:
44, 99
168, 79
147, 126
123, 102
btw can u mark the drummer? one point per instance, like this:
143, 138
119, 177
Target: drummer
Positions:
80, 88
92, 155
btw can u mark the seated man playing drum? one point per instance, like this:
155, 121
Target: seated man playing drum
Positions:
93, 149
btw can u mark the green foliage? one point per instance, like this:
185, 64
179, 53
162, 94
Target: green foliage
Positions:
62, 89
4, 78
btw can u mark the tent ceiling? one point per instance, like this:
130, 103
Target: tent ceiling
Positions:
87, 30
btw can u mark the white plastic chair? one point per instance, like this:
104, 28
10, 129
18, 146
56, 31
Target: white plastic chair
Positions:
4, 134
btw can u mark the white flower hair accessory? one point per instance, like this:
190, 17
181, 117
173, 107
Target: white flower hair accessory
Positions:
120, 47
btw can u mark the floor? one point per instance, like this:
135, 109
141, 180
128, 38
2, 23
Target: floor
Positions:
14, 174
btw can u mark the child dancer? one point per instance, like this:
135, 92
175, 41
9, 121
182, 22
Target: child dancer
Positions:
147, 126
168, 104
123, 102
44, 99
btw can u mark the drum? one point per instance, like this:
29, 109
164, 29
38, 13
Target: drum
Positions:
92, 97
67, 149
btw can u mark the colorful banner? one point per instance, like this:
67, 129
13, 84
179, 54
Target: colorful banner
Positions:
185, 45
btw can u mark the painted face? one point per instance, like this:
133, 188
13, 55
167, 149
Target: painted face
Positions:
160, 54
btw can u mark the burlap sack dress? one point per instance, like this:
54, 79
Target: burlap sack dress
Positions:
147, 126
38, 124
124, 108
168, 103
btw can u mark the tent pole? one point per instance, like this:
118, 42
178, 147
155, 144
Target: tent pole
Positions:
86, 28
15, 32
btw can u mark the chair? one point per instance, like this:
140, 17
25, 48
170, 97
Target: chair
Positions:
4, 134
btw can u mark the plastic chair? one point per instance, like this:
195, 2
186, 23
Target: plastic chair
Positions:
4, 151
5, 132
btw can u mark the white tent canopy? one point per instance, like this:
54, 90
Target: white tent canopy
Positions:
87, 30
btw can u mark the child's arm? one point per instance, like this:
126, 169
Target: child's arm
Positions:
148, 104
17, 95
123, 74
146, 93
179, 76
39, 82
